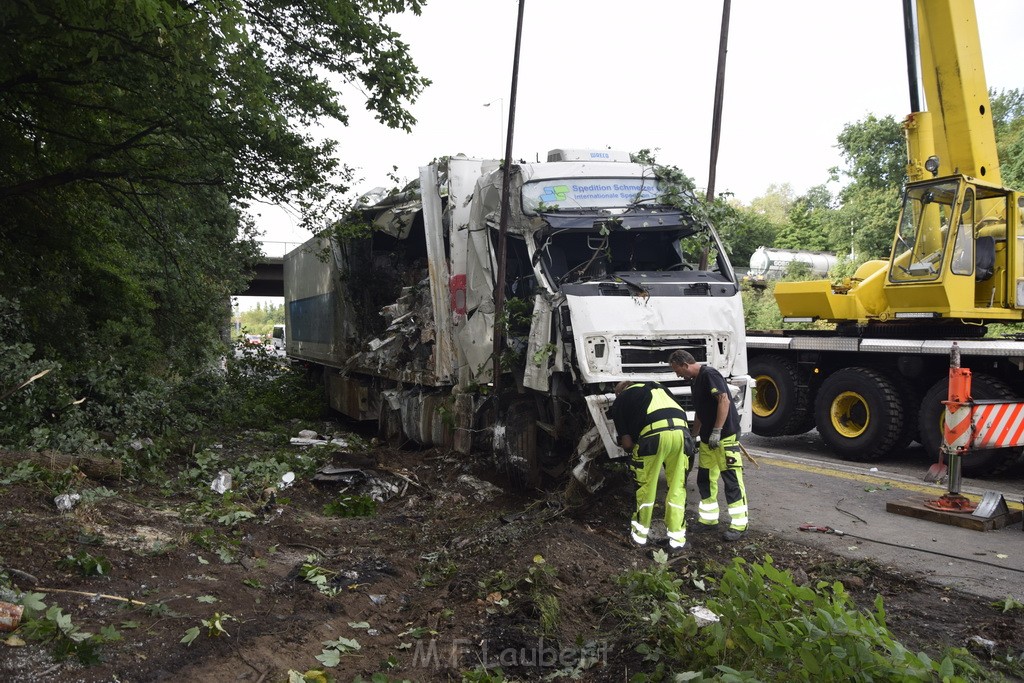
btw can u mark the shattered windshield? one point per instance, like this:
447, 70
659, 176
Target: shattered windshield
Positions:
649, 240
919, 249
587, 193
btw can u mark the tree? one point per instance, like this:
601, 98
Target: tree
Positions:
808, 217
136, 138
774, 204
875, 154
1008, 119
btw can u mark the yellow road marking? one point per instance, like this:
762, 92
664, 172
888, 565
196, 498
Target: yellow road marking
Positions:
874, 479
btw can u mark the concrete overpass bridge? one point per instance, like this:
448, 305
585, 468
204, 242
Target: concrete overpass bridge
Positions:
268, 277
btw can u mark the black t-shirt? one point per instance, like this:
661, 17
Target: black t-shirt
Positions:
707, 387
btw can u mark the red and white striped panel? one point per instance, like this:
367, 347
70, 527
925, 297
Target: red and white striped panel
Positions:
957, 431
998, 425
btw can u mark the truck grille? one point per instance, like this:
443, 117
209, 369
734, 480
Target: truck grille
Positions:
651, 355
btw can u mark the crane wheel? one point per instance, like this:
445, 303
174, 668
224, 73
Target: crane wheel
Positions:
781, 403
932, 418
859, 414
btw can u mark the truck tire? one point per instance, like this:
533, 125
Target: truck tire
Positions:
859, 414
781, 405
910, 397
932, 418
517, 453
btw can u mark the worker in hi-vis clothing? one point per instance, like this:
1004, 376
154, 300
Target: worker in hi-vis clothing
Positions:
652, 428
717, 424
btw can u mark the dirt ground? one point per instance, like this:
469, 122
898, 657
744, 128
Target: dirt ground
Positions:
429, 587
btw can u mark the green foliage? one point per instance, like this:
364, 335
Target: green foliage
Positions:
1008, 117
809, 217
347, 505
875, 154
334, 650
261, 320
760, 311
769, 628
134, 142
86, 564
50, 625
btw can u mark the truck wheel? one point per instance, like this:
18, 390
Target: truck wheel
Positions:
932, 418
859, 414
516, 452
780, 403
910, 397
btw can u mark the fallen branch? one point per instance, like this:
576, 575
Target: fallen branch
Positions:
91, 595
93, 467
20, 574
405, 478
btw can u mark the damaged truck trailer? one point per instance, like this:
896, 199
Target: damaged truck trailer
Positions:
394, 308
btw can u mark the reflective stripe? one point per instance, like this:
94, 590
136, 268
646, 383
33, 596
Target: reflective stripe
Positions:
707, 506
738, 508
677, 535
677, 544
637, 526
645, 505
681, 507
668, 423
740, 521
640, 540
713, 516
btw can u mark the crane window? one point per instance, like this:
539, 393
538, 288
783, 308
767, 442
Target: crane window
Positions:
920, 245
963, 246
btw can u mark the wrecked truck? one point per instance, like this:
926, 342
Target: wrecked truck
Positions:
394, 307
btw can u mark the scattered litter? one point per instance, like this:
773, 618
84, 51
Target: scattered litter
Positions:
307, 437
378, 599
483, 491
222, 482
10, 616
368, 482
873, 469
14, 641
286, 480
703, 615
66, 501
340, 475
139, 444
373, 632
977, 644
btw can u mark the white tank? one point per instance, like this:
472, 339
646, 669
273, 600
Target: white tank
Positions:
772, 263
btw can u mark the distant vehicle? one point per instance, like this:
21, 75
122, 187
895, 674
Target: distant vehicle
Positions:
254, 339
277, 339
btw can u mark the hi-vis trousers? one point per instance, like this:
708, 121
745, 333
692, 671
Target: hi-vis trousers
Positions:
723, 462
663, 448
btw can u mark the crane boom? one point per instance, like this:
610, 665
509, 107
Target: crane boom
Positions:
962, 135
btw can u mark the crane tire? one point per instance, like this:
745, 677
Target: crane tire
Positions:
984, 463
781, 404
910, 396
859, 414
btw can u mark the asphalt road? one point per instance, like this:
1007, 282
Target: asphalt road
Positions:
797, 481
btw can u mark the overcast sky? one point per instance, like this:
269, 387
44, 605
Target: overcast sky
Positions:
634, 75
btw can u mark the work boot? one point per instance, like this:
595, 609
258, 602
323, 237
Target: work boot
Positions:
733, 535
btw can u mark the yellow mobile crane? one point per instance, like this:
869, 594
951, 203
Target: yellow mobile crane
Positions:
876, 382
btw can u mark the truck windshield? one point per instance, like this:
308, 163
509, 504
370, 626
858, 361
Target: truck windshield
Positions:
555, 194
919, 248
585, 247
